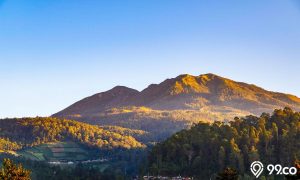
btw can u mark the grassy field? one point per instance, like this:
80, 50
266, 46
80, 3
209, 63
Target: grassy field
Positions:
58, 151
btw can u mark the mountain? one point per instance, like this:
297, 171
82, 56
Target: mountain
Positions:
177, 103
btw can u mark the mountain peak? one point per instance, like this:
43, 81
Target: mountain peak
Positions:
187, 83
202, 77
114, 97
210, 75
121, 89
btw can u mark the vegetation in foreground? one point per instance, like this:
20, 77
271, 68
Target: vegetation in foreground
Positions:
11, 171
206, 149
125, 166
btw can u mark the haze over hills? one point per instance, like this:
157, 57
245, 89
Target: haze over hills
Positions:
176, 103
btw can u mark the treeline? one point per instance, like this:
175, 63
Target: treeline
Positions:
24, 132
7, 145
207, 149
43, 170
160, 124
140, 135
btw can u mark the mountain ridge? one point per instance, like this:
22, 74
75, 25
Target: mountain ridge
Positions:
182, 92
177, 103
105, 99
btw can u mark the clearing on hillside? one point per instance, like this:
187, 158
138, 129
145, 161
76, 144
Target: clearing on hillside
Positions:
57, 151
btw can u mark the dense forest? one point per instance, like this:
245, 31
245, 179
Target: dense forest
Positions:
25, 132
43, 170
205, 149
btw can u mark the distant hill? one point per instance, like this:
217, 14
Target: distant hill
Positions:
177, 103
55, 148
20, 133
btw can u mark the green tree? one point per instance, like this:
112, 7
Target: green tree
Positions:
11, 171
222, 156
228, 174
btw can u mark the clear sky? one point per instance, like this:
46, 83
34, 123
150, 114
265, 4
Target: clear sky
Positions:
55, 52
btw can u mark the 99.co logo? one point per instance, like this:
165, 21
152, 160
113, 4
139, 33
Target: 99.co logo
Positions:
257, 168
281, 170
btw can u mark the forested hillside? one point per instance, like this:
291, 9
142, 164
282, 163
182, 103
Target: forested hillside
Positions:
206, 149
24, 132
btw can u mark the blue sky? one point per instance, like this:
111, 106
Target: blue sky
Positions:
55, 52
